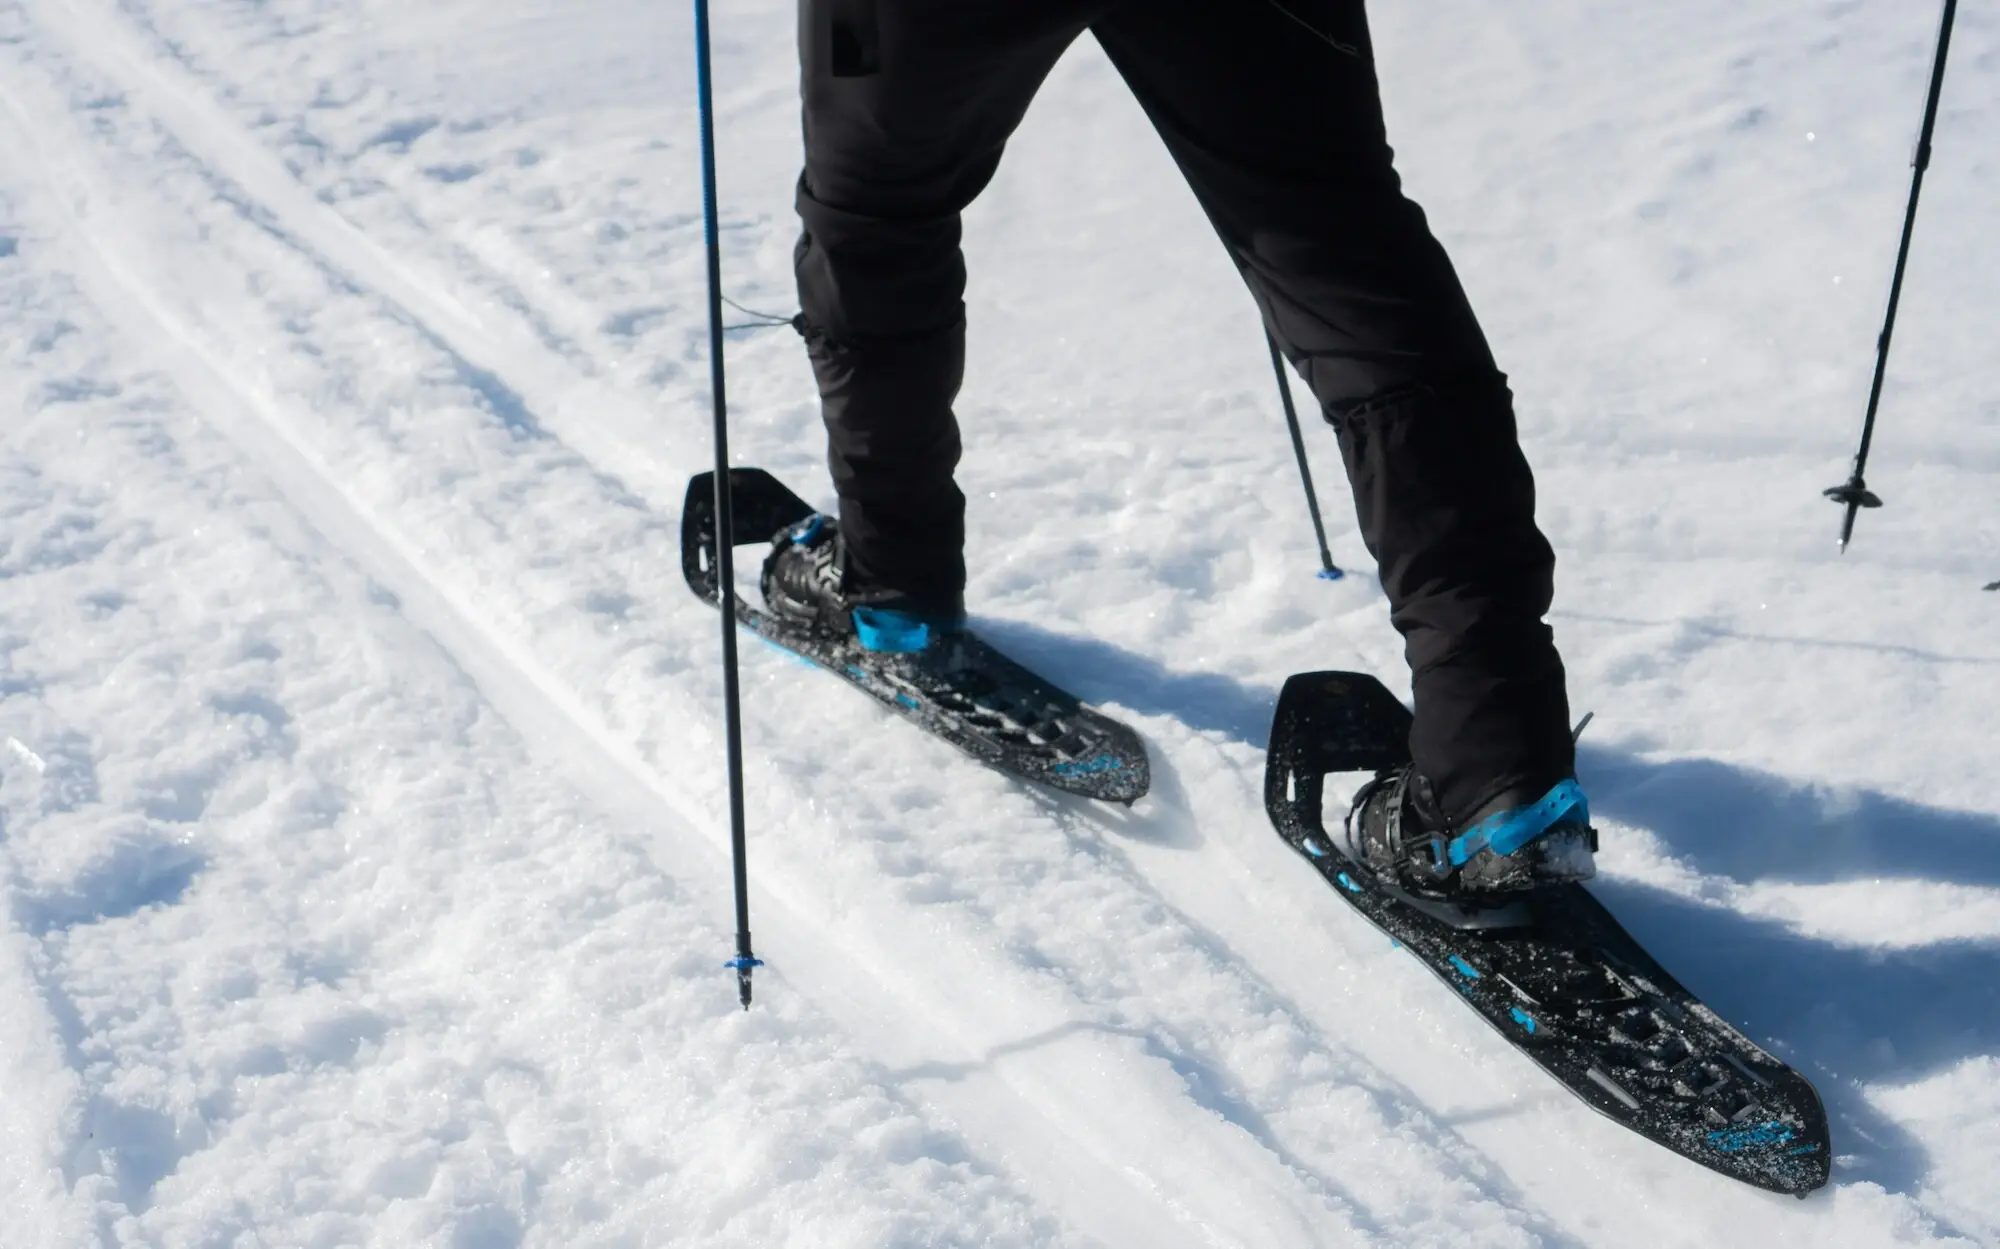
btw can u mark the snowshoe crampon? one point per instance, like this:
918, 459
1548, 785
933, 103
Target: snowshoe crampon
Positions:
1552, 971
961, 690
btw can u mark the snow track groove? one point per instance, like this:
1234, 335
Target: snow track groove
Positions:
347, 537
279, 1038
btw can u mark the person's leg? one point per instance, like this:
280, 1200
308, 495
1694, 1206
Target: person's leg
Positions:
908, 104
1280, 134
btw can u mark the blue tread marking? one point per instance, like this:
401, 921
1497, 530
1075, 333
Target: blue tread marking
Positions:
1524, 1019
785, 650
1762, 1135
1090, 767
1347, 883
909, 702
1313, 848
1464, 968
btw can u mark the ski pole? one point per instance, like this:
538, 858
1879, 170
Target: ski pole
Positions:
1329, 571
1855, 493
725, 518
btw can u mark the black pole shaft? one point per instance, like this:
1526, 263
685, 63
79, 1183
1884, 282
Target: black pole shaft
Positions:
725, 518
1328, 568
1855, 493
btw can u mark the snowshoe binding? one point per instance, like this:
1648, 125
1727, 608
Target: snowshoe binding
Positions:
914, 656
809, 581
1514, 844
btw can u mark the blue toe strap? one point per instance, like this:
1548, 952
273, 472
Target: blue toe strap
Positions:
888, 631
1508, 831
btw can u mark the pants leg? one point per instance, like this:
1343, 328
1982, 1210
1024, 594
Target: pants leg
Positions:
908, 105
1280, 133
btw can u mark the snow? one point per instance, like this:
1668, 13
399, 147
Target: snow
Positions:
363, 861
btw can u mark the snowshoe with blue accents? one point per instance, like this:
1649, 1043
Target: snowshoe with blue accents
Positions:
1528, 948
915, 658
807, 581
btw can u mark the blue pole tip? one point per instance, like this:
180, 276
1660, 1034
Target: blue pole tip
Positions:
1331, 574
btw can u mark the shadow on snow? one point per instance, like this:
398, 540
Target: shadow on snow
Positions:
1848, 1016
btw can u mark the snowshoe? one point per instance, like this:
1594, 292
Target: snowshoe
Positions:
916, 659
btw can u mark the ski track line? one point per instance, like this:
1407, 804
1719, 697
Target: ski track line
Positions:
102, 34
318, 230
545, 712
44, 1089
608, 773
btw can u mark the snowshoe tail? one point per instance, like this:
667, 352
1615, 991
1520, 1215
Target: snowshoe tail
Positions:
760, 506
1328, 723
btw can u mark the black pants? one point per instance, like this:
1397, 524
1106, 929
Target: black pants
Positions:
1275, 119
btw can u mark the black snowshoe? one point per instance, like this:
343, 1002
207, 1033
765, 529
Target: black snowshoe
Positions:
1547, 966
917, 659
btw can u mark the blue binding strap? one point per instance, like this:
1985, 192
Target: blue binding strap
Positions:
1508, 831
887, 631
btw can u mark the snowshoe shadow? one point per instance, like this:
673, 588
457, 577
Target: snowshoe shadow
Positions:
1100, 672
1750, 826
1845, 1016
1857, 1015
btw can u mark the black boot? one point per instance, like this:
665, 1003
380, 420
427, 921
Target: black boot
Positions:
807, 580
1513, 844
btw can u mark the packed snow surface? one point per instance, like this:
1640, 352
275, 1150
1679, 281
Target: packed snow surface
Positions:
363, 855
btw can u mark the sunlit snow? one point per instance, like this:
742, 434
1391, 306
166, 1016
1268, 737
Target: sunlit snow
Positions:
363, 859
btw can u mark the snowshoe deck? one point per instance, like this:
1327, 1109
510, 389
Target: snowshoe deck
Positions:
963, 691
1556, 975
